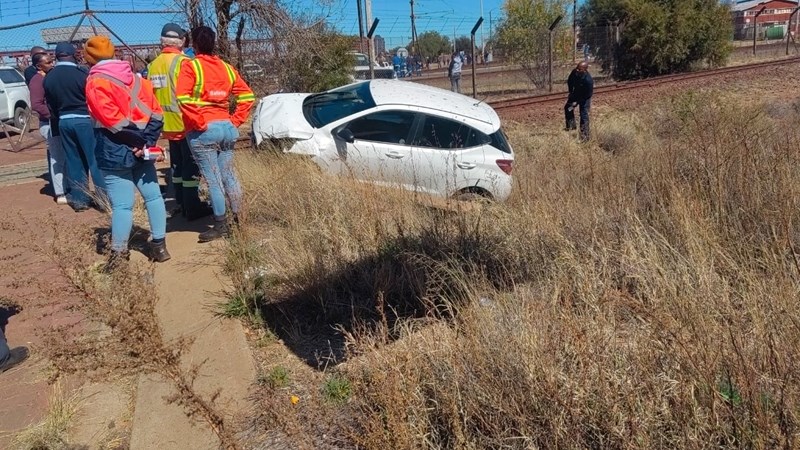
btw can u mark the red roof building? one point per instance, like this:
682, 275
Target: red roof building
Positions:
771, 23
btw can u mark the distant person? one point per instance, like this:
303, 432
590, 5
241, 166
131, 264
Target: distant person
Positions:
9, 357
128, 120
454, 72
585, 52
581, 87
65, 91
163, 74
397, 61
205, 87
55, 153
31, 70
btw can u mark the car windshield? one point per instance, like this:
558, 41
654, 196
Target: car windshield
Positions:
361, 60
327, 107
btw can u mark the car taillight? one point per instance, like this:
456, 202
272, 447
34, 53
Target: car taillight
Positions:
506, 165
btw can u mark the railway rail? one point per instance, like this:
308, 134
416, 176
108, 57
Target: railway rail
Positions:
522, 102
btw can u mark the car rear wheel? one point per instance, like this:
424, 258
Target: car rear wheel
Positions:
474, 195
21, 116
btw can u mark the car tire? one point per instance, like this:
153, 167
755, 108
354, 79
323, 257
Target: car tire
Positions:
473, 196
21, 116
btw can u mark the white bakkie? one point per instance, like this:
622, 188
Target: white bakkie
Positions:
15, 98
391, 133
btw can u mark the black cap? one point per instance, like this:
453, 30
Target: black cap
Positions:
172, 30
65, 49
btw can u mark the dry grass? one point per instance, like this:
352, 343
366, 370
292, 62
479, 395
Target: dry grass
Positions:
644, 297
51, 432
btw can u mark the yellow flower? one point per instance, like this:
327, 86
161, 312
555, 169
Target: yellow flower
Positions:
294, 399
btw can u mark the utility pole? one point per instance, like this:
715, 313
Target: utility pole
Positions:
483, 42
368, 23
574, 29
360, 28
413, 29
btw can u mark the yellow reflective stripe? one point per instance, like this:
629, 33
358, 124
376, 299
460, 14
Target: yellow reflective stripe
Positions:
177, 180
184, 98
245, 97
198, 83
231, 75
191, 184
200, 102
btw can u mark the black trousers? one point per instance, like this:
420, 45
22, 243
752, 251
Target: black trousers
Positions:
569, 115
185, 176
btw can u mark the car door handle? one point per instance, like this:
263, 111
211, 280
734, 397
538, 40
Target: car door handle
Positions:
466, 165
395, 155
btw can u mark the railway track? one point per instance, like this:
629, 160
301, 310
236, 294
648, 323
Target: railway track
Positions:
522, 102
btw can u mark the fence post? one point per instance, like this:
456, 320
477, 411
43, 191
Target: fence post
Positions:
472, 40
755, 26
369, 48
789, 29
550, 52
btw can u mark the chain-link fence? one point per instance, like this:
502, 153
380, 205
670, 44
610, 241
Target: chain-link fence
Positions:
135, 34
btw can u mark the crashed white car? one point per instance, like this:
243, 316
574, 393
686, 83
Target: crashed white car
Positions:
408, 135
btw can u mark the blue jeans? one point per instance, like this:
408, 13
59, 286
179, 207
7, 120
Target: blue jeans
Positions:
213, 151
569, 115
77, 138
122, 185
56, 158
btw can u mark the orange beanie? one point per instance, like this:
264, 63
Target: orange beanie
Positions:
98, 48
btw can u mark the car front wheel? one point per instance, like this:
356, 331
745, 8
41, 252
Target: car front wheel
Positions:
21, 116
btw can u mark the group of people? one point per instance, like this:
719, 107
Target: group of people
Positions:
104, 121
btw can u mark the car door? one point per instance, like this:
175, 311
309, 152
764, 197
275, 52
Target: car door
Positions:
380, 149
5, 108
436, 155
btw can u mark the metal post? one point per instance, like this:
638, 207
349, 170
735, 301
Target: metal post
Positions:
360, 28
370, 42
472, 40
371, 50
755, 27
550, 52
789, 28
574, 30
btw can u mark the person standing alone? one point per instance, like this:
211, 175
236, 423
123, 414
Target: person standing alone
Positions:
163, 74
581, 87
205, 85
454, 72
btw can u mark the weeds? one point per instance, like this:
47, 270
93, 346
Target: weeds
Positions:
51, 433
644, 297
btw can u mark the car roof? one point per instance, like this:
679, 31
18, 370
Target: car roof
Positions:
395, 92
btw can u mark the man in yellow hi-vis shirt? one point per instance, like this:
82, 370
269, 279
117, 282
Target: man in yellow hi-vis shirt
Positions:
163, 74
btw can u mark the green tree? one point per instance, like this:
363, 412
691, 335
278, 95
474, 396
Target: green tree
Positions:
523, 35
463, 43
432, 44
654, 37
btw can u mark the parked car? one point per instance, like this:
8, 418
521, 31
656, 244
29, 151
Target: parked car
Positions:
408, 135
15, 98
361, 69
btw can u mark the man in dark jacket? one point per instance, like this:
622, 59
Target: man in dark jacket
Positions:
580, 86
65, 92
31, 70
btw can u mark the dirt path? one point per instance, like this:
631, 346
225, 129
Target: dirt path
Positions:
131, 413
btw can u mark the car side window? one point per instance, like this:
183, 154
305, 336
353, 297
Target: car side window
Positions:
438, 132
391, 127
11, 76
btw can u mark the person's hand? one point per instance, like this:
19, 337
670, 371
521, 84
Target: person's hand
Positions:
138, 152
160, 157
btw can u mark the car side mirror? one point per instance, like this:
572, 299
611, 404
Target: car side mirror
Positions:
346, 135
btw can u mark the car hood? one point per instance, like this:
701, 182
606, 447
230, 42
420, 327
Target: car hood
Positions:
280, 116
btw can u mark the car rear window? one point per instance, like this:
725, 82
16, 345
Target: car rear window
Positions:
9, 76
500, 141
330, 106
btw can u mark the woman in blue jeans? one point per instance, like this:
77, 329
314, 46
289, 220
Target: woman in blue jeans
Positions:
204, 87
128, 119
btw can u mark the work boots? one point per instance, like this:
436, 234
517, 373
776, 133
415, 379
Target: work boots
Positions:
158, 251
219, 230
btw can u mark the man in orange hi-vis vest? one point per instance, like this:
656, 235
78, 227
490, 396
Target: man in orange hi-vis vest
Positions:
204, 87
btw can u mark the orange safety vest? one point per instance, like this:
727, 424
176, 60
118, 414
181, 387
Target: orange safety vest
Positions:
138, 103
204, 87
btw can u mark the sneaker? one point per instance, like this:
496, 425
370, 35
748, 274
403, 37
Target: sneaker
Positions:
62, 200
79, 208
15, 357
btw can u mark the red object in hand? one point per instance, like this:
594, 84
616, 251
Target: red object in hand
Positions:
153, 153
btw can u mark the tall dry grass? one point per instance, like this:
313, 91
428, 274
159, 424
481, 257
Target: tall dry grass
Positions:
644, 297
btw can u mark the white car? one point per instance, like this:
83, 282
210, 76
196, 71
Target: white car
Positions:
15, 98
409, 135
361, 69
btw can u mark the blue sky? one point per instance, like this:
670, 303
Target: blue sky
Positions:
446, 16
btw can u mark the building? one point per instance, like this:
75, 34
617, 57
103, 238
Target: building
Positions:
772, 23
380, 44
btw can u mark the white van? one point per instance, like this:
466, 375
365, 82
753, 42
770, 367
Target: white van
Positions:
15, 98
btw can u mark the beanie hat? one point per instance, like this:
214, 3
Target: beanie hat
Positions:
98, 48
65, 49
